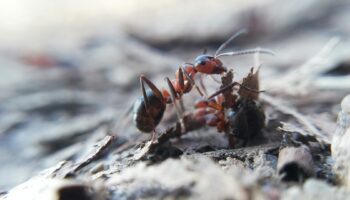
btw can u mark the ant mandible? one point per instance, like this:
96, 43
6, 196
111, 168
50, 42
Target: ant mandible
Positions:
148, 110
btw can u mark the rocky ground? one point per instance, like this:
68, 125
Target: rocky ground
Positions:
70, 74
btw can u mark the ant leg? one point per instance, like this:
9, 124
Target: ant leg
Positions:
182, 86
154, 89
156, 92
215, 106
192, 82
154, 136
214, 79
223, 89
142, 79
181, 79
202, 85
173, 96
232, 85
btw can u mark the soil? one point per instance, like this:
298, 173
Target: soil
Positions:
68, 88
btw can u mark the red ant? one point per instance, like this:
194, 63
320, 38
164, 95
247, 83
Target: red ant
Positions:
148, 110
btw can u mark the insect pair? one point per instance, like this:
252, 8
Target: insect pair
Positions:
148, 110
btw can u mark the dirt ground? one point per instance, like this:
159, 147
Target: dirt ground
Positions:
70, 75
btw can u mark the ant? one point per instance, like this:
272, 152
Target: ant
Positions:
148, 110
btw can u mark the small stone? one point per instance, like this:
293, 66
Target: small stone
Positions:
341, 143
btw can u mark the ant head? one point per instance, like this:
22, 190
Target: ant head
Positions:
212, 65
208, 65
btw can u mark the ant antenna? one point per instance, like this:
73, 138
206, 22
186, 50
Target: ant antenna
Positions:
186, 63
247, 51
234, 36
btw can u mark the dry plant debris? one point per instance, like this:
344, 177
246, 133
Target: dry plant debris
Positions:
66, 103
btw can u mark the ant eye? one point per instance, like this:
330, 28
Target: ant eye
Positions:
202, 60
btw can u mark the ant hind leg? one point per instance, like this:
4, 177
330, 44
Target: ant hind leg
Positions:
173, 96
192, 82
154, 89
154, 136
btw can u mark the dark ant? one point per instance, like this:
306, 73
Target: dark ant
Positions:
148, 110
244, 116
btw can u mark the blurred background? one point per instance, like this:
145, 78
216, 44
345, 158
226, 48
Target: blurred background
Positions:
70, 68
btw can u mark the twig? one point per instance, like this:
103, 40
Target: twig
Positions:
11, 121
63, 134
322, 138
172, 132
298, 79
43, 101
97, 153
240, 153
331, 82
317, 64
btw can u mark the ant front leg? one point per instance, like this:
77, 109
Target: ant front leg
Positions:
190, 79
230, 86
211, 103
201, 83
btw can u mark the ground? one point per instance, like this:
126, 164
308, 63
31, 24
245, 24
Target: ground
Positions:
70, 77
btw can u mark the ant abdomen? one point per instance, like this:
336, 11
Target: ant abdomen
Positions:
147, 119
